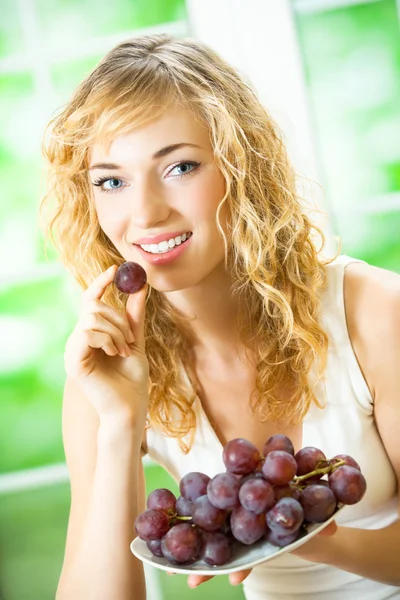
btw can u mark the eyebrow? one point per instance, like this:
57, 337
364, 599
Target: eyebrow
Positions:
159, 154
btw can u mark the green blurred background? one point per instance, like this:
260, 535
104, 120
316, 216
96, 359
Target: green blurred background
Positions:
350, 53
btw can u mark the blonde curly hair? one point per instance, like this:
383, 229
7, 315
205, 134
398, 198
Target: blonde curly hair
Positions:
269, 248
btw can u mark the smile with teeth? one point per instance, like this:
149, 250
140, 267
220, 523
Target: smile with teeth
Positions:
166, 245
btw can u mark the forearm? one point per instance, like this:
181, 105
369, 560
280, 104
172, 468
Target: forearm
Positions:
102, 566
373, 554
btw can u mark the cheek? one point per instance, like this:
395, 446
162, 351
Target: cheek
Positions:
207, 197
111, 220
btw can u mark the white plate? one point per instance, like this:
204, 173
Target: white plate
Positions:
245, 557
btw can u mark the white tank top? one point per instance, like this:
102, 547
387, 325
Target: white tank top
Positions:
345, 426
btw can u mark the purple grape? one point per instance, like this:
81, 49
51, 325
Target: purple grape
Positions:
254, 475
216, 548
246, 526
286, 491
279, 467
349, 461
310, 481
183, 507
193, 485
151, 524
257, 495
161, 499
223, 491
240, 456
130, 278
278, 442
279, 539
155, 547
206, 515
182, 544
348, 484
307, 460
318, 502
286, 516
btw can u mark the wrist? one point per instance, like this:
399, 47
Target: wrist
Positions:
121, 425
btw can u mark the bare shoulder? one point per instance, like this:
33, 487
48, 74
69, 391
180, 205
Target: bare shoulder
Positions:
372, 304
363, 277
371, 294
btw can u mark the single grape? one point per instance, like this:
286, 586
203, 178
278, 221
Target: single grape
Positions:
193, 485
182, 544
161, 499
155, 547
348, 484
216, 548
307, 460
281, 539
257, 495
310, 481
318, 502
254, 475
151, 524
246, 526
286, 516
130, 278
183, 507
279, 467
348, 460
240, 456
278, 442
206, 515
223, 491
286, 491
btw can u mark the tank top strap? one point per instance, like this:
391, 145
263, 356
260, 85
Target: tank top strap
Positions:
334, 322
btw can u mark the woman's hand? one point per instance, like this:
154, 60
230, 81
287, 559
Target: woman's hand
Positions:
234, 578
308, 550
105, 354
314, 549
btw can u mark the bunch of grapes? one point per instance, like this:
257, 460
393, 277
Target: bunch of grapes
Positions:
260, 497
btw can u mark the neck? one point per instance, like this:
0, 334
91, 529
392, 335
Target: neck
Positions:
213, 311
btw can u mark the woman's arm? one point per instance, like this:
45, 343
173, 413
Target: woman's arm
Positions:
372, 300
107, 492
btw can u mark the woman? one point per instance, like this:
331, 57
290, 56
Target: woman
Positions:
165, 157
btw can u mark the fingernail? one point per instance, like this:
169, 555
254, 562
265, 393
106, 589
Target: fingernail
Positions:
131, 337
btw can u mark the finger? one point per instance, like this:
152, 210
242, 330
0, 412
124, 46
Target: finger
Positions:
329, 529
97, 288
99, 340
95, 322
135, 312
238, 577
79, 347
114, 316
195, 580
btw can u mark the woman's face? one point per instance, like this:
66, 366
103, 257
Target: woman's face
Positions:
161, 181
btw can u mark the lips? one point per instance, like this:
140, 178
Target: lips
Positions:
161, 237
164, 258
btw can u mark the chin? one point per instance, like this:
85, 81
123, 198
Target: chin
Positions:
173, 283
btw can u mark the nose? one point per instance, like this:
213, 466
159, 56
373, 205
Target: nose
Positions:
149, 207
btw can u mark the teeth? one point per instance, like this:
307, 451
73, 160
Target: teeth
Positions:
166, 245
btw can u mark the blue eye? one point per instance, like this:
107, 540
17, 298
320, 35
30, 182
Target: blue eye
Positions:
185, 168
109, 184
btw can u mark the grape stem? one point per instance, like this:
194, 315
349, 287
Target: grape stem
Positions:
321, 471
176, 516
